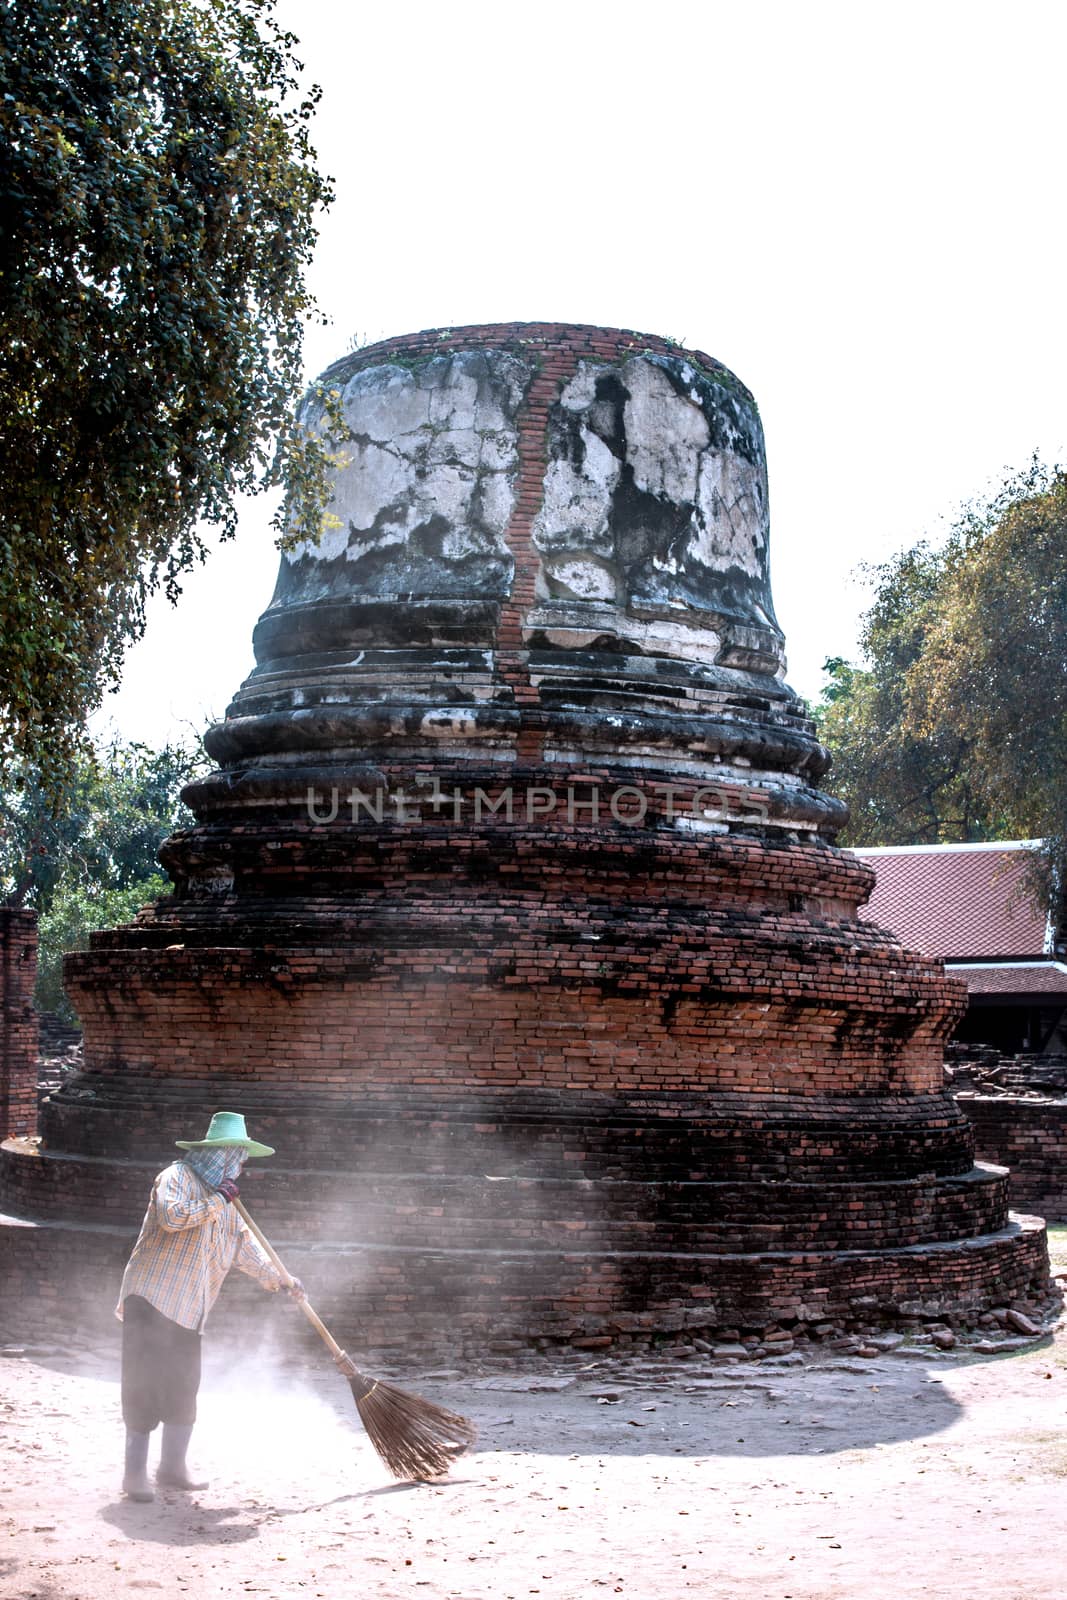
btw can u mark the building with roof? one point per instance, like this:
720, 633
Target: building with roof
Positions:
977, 908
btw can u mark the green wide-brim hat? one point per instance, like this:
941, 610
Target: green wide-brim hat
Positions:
227, 1127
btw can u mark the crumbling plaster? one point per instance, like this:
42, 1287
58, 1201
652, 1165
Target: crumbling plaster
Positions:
655, 493
425, 483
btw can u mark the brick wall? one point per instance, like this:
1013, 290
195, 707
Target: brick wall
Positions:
1029, 1137
18, 1023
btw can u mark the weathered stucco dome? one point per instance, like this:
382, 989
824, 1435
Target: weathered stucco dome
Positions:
564, 533
512, 916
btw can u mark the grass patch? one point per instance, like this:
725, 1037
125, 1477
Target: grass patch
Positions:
1047, 1452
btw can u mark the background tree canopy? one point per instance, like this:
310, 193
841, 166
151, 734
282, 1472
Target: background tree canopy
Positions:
90, 862
158, 193
956, 728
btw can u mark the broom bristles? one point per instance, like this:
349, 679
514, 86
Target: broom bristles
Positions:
414, 1437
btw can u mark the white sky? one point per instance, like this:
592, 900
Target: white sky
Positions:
856, 206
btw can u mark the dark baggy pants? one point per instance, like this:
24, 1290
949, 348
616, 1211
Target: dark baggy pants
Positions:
160, 1368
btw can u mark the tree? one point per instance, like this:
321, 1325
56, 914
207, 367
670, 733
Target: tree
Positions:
93, 863
159, 193
994, 662
901, 787
955, 729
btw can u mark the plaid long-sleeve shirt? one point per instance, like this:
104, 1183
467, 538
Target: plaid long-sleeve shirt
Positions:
189, 1240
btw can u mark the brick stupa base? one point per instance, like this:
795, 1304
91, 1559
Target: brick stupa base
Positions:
565, 1029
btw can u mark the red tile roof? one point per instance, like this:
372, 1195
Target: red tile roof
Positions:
959, 902
1048, 977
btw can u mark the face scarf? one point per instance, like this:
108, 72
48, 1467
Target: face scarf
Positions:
213, 1166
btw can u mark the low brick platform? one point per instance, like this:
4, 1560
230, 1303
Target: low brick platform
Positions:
452, 1301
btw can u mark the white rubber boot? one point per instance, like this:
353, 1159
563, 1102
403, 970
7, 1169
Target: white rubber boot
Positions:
135, 1484
173, 1472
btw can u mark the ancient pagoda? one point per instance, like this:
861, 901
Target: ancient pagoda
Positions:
512, 916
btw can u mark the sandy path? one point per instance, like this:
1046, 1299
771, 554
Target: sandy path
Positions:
898, 1477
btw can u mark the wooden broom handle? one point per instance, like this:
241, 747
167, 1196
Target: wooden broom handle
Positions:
316, 1321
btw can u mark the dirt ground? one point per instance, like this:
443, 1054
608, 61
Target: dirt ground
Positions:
916, 1473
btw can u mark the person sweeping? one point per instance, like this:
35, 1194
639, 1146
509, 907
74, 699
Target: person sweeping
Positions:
192, 1234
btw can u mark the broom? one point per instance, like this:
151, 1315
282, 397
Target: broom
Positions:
415, 1438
